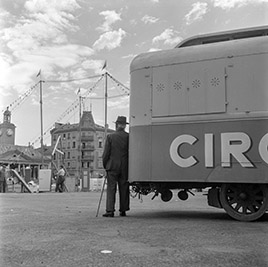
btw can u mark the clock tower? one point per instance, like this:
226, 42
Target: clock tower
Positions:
7, 130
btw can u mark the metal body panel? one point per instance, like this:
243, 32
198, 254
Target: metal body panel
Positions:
140, 154
177, 88
150, 160
140, 110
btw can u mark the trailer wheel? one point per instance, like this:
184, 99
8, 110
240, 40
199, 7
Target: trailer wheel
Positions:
166, 195
244, 202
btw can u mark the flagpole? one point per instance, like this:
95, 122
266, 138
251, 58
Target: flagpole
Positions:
80, 136
105, 130
41, 117
106, 96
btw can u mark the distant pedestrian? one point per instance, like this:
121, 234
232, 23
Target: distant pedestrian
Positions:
60, 180
115, 162
2, 179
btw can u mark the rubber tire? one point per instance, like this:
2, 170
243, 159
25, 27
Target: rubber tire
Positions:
229, 190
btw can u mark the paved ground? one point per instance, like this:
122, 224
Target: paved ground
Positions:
50, 229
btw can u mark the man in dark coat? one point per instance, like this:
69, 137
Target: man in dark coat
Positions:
115, 162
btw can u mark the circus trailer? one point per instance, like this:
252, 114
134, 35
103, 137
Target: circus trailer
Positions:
199, 120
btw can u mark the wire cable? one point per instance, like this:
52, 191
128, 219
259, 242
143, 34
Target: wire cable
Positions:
73, 80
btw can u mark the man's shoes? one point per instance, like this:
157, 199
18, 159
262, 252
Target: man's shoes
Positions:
108, 214
123, 213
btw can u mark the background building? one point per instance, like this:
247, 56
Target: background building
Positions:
17, 157
7, 130
82, 145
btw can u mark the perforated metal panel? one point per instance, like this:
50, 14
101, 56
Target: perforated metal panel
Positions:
193, 88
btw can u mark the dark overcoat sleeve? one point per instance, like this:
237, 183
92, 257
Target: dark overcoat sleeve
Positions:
107, 152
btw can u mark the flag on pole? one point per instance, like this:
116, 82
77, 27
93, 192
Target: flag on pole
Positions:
104, 65
39, 73
55, 149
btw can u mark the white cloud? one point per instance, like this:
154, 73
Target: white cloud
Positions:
110, 17
38, 39
227, 4
197, 12
121, 103
50, 5
47, 58
149, 19
53, 12
92, 64
168, 36
110, 40
4, 15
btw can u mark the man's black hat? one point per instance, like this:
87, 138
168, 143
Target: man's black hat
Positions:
121, 120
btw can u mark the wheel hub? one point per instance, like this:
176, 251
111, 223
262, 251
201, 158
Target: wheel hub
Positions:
243, 196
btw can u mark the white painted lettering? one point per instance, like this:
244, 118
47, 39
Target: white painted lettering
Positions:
174, 151
229, 147
233, 145
263, 148
209, 152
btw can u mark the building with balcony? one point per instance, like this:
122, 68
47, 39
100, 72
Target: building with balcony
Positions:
82, 147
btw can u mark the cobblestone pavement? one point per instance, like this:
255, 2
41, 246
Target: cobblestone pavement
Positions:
52, 229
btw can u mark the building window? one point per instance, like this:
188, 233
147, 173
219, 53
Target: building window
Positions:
64, 136
69, 136
73, 144
100, 143
100, 164
68, 155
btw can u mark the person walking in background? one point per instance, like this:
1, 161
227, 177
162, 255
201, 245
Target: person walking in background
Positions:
115, 162
60, 180
2, 180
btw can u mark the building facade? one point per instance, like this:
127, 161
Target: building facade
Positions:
20, 158
79, 149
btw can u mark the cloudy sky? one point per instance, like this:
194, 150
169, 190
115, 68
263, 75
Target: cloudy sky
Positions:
69, 40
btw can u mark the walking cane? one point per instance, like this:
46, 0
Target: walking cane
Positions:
101, 195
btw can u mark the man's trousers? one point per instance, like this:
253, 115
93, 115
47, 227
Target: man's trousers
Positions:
114, 178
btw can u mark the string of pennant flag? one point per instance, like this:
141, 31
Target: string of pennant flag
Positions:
76, 103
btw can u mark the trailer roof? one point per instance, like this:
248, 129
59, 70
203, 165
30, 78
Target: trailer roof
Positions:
240, 43
224, 36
